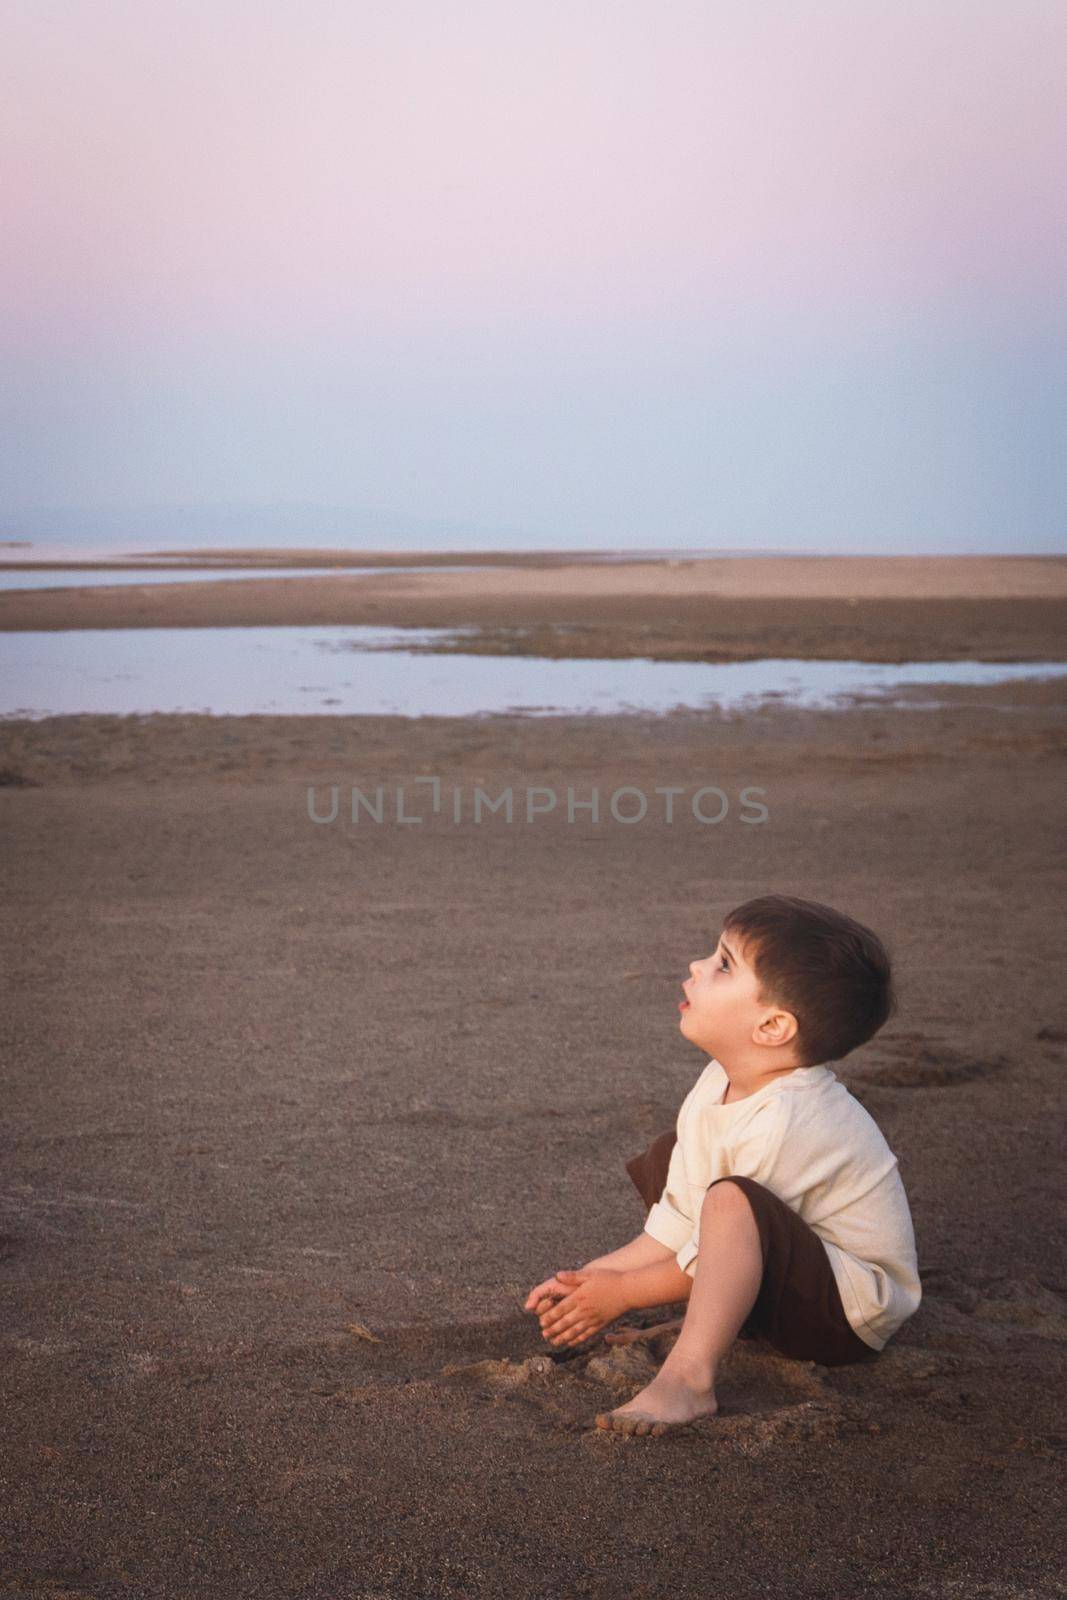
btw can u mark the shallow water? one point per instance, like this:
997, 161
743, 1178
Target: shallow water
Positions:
94, 578
356, 671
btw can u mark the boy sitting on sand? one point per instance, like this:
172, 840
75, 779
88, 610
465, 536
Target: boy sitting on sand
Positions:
776, 1205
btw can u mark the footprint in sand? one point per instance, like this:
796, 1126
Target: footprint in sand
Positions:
1024, 1304
967, 1314
910, 1062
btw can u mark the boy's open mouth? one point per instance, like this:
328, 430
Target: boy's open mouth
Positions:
683, 1005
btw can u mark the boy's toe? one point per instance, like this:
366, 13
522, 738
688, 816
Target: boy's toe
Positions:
627, 1423
611, 1423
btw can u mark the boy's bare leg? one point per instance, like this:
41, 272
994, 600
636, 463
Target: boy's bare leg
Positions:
727, 1281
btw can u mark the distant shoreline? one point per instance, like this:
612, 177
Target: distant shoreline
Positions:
554, 604
98, 559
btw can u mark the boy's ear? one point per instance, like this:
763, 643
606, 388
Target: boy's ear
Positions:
775, 1028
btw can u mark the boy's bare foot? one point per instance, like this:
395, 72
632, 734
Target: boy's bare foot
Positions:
669, 1401
624, 1336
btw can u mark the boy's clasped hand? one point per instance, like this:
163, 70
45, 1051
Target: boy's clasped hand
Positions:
572, 1306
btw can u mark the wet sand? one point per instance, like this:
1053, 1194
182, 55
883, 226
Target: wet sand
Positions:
839, 608
296, 1114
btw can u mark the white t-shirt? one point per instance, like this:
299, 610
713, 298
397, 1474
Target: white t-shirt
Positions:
811, 1143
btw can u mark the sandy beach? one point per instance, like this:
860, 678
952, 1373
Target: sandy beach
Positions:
297, 1111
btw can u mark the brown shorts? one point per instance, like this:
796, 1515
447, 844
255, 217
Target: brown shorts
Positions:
798, 1309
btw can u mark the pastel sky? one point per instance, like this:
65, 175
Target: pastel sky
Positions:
755, 273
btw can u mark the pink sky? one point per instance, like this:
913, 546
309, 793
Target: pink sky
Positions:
315, 163
222, 211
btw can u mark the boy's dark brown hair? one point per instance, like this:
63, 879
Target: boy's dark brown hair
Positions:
830, 971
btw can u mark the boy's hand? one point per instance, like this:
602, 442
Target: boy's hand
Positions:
551, 1290
593, 1298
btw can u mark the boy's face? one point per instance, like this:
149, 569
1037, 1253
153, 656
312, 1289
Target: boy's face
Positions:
722, 1013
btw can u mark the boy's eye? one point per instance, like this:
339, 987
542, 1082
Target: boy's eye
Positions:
723, 964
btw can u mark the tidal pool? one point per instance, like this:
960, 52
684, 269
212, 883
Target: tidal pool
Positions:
99, 578
360, 671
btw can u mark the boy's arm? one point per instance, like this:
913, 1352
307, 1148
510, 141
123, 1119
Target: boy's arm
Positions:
660, 1283
644, 1251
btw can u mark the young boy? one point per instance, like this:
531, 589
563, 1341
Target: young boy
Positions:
776, 1205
